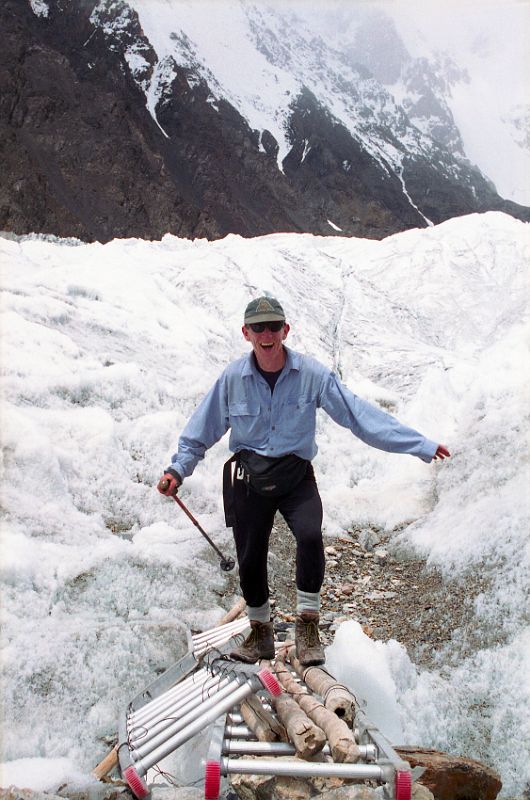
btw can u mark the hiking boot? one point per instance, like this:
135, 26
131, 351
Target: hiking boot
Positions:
258, 644
309, 650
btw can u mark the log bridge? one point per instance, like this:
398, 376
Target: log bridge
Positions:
275, 718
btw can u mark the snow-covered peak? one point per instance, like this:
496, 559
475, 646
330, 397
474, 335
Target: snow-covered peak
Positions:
266, 120
480, 50
260, 60
376, 72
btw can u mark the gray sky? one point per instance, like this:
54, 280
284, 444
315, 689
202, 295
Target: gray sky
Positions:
492, 33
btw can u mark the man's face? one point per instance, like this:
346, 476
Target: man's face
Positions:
267, 344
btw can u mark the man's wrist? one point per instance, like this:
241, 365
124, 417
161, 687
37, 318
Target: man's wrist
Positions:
174, 474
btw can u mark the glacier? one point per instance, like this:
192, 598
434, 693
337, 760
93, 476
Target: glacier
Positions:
106, 351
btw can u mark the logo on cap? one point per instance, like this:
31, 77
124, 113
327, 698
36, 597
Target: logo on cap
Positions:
263, 306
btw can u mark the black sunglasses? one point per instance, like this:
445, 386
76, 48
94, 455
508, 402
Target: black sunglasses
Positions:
259, 327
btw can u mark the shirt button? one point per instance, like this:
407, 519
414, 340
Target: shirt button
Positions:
274, 427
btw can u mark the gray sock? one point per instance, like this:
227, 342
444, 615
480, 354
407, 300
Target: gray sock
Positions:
260, 613
307, 601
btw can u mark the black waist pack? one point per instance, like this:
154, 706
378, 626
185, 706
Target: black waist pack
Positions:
271, 477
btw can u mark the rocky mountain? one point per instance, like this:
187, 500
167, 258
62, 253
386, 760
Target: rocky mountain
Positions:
421, 85
201, 119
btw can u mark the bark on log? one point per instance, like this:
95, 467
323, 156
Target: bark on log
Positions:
335, 697
107, 765
342, 744
263, 724
234, 612
306, 737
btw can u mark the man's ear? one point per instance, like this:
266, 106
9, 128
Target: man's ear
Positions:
286, 329
244, 331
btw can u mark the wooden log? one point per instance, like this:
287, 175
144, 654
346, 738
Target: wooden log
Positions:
342, 744
286, 679
107, 765
234, 612
341, 741
336, 697
263, 724
307, 738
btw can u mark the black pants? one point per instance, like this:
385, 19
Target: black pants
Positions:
254, 515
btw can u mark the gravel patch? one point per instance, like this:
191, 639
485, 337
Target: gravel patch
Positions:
391, 594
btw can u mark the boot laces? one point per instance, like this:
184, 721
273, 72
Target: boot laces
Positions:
312, 635
252, 639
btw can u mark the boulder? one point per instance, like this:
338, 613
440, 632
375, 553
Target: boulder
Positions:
263, 787
266, 788
420, 792
453, 777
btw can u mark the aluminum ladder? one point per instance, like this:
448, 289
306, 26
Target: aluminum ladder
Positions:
204, 688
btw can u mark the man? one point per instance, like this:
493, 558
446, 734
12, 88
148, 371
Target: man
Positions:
268, 400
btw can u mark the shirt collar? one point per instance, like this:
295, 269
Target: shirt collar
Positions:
292, 361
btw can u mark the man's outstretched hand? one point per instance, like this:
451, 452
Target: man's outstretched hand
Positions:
169, 483
441, 453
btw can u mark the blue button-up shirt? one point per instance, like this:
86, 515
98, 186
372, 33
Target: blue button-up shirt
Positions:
284, 422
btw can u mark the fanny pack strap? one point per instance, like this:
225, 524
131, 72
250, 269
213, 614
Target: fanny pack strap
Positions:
228, 491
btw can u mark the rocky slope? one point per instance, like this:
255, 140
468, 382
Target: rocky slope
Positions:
103, 136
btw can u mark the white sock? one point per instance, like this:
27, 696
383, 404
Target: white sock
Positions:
260, 613
307, 601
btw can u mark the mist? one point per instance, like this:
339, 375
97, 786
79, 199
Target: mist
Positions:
486, 64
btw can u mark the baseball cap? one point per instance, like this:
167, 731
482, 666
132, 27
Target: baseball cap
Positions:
264, 309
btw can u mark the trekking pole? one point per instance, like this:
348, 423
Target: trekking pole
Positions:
226, 564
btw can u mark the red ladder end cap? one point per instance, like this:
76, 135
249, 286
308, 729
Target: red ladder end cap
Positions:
212, 780
403, 785
270, 682
136, 784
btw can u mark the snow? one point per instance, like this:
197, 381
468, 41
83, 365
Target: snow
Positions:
347, 658
44, 772
409, 198
261, 92
39, 7
106, 350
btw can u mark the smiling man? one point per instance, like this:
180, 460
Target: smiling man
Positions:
268, 399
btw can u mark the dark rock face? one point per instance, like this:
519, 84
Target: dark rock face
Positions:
341, 179
82, 155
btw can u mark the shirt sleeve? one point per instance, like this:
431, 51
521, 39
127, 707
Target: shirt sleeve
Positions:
208, 423
372, 425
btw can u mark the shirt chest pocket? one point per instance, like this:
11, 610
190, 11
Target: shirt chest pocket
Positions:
301, 413
244, 409
244, 417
